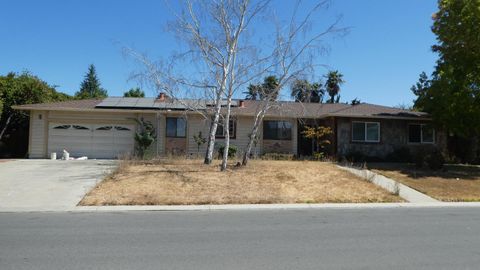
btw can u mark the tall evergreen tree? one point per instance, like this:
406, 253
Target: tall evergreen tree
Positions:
90, 87
134, 92
334, 80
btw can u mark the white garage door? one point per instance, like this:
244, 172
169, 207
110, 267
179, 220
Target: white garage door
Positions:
91, 140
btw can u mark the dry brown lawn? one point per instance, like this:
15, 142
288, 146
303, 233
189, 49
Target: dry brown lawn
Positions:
453, 183
190, 182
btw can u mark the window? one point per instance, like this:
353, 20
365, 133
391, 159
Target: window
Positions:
176, 127
122, 128
277, 130
62, 127
420, 133
365, 131
105, 128
232, 128
80, 127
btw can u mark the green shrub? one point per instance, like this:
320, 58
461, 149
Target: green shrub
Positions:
419, 158
319, 156
401, 154
429, 157
434, 159
232, 151
278, 156
355, 156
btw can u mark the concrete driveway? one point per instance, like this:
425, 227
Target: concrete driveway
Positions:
48, 185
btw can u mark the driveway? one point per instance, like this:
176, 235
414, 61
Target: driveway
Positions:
48, 185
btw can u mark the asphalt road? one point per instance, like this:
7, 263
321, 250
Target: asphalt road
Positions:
307, 239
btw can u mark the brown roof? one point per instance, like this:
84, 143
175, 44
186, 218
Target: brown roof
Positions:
281, 108
368, 110
291, 109
83, 104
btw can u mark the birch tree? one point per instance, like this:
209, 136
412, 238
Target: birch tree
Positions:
293, 55
224, 54
212, 32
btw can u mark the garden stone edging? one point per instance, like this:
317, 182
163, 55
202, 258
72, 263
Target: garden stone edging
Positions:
407, 193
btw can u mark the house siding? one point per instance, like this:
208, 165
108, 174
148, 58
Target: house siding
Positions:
197, 123
38, 131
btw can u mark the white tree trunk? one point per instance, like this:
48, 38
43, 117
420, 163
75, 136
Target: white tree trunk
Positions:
253, 136
226, 128
6, 126
211, 136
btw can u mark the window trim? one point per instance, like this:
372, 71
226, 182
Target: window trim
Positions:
104, 128
176, 135
270, 139
421, 134
62, 127
232, 135
365, 140
120, 128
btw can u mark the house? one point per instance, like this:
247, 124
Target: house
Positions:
105, 128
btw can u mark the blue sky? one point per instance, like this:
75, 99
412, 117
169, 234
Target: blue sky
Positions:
382, 56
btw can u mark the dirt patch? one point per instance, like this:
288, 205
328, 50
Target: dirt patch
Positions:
190, 182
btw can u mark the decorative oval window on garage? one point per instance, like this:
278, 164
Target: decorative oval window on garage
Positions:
62, 127
122, 128
105, 128
80, 127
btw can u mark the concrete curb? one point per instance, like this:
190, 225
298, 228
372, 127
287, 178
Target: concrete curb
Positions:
407, 193
233, 207
270, 206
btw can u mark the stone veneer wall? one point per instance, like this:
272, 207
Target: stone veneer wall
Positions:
393, 135
277, 146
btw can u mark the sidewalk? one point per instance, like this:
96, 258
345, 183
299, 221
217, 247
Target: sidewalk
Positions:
405, 192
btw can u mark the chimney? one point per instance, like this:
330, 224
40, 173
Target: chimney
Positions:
162, 96
241, 103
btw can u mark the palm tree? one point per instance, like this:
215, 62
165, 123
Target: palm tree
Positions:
303, 91
252, 92
334, 80
269, 88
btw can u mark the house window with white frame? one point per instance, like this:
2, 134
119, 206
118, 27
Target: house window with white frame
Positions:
421, 133
366, 132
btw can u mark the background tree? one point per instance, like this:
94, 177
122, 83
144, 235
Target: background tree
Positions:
134, 92
90, 87
332, 86
304, 91
452, 95
18, 90
355, 101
